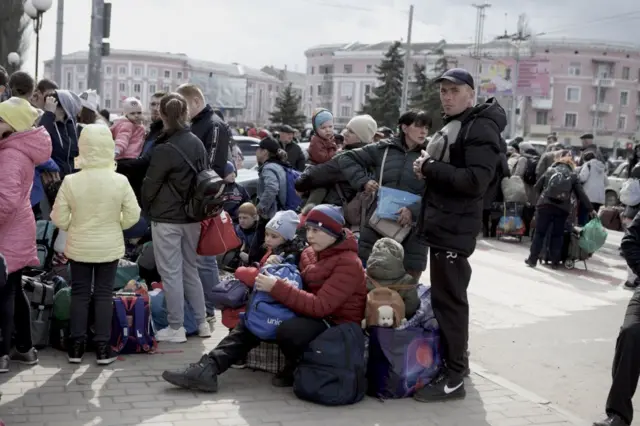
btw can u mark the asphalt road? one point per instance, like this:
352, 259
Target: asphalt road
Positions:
551, 332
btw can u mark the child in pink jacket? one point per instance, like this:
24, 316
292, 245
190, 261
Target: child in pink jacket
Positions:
128, 131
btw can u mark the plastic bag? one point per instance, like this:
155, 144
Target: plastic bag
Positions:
593, 236
630, 192
513, 189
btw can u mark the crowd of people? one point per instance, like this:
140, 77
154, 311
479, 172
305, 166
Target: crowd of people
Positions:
105, 184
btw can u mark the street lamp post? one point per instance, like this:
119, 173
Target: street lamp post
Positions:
34, 10
14, 61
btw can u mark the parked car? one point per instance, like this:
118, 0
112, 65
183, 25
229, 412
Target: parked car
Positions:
616, 179
249, 179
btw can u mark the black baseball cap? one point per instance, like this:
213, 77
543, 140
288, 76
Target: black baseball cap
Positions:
587, 136
270, 145
457, 76
287, 129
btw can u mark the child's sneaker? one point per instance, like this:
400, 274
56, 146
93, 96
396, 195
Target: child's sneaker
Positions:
29, 357
171, 335
104, 354
75, 352
204, 329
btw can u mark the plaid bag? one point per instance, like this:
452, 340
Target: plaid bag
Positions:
266, 357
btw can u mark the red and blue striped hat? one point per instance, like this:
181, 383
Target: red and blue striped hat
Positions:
326, 218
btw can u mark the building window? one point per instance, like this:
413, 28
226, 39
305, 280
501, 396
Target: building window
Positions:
597, 122
153, 73
570, 120
270, 87
80, 86
122, 87
604, 71
107, 103
122, 71
166, 88
137, 71
622, 122
574, 68
152, 89
542, 117
69, 81
137, 88
348, 68
573, 94
369, 69
626, 73
624, 98
107, 88
319, 91
310, 90
81, 68
346, 89
167, 74
108, 70
367, 91
179, 75
345, 111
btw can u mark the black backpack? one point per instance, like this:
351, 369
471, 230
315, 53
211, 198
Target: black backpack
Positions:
530, 177
559, 185
205, 198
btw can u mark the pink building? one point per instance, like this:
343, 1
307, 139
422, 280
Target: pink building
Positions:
591, 86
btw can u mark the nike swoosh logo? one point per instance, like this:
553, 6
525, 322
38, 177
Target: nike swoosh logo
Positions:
449, 390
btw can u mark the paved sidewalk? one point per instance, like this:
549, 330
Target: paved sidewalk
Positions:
131, 392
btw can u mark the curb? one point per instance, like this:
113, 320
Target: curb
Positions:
536, 399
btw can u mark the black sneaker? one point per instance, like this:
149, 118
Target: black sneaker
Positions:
75, 351
239, 365
283, 379
613, 420
29, 357
201, 376
631, 285
104, 354
444, 388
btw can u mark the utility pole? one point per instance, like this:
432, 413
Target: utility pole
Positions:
57, 61
407, 58
477, 48
95, 46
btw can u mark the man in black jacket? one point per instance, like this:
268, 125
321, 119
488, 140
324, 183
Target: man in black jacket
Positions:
295, 156
208, 127
626, 362
451, 219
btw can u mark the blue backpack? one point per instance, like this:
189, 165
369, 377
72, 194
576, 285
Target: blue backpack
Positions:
264, 314
332, 370
293, 201
131, 330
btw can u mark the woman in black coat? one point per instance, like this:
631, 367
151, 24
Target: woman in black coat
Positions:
494, 193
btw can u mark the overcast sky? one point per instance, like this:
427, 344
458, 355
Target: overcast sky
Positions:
259, 32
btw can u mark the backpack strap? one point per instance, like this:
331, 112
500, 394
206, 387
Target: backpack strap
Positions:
138, 318
121, 316
184, 157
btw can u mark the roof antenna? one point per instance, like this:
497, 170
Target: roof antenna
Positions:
506, 24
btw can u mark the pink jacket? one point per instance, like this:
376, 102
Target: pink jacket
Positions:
129, 138
20, 153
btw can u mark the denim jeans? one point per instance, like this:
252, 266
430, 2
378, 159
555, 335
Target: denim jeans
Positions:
210, 278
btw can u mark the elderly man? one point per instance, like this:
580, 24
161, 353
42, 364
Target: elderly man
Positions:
451, 218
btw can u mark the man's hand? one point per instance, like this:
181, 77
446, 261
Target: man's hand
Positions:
405, 217
50, 104
371, 187
417, 165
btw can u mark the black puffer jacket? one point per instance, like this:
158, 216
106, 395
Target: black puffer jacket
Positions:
398, 173
494, 191
453, 200
328, 175
216, 137
631, 245
295, 156
169, 178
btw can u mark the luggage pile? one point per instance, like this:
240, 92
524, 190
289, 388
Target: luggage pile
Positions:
48, 289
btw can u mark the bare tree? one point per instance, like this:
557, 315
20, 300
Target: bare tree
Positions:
13, 30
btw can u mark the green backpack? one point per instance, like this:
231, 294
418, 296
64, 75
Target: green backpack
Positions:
593, 236
62, 304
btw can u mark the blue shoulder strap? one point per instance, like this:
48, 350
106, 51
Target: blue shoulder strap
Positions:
138, 318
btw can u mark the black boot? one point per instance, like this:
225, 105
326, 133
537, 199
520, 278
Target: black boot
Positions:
75, 351
284, 379
530, 262
613, 420
202, 376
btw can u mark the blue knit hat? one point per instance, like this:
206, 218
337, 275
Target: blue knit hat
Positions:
228, 169
326, 218
319, 117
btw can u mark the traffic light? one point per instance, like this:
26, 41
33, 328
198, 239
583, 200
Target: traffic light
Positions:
106, 29
106, 48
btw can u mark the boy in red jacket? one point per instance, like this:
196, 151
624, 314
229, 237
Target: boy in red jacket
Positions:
335, 292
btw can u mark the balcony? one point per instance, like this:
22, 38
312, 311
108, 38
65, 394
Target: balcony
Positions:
605, 83
540, 129
601, 107
542, 103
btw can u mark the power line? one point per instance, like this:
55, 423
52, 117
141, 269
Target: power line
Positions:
632, 15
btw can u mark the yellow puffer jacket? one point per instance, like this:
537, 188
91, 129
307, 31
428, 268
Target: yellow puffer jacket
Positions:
95, 204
